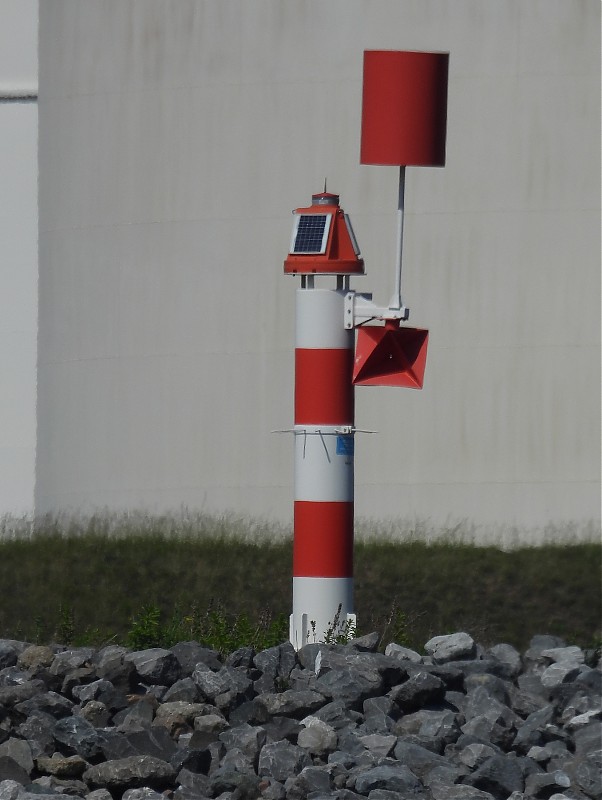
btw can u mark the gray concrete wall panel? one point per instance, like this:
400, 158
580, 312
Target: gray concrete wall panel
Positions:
18, 257
176, 137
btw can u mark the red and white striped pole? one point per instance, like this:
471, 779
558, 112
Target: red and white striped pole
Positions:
323, 243
323, 527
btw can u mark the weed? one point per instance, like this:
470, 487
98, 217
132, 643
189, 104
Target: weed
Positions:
146, 630
338, 631
66, 628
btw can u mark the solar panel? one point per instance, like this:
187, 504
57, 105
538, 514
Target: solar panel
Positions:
310, 233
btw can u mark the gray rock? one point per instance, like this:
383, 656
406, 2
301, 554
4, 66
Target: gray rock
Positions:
291, 703
380, 745
279, 760
380, 714
402, 653
283, 728
586, 772
498, 775
138, 716
317, 737
494, 686
99, 794
145, 793
543, 784
239, 785
309, 782
420, 760
189, 654
452, 647
96, 713
195, 783
228, 679
337, 715
130, 773
444, 791
9, 789
473, 755
278, 661
61, 786
211, 723
38, 730
392, 777
177, 716
480, 702
20, 752
368, 643
493, 731
419, 690
247, 738
113, 664
532, 658
234, 760
572, 654
10, 770
381, 794
62, 766
103, 691
533, 731
560, 672
351, 686
193, 759
9, 653
155, 742
35, 657
69, 660
243, 657
449, 775
16, 694
79, 736
156, 666
185, 690
443, 726
588, 738
509, 656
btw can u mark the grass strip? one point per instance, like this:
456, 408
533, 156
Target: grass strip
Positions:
92, 584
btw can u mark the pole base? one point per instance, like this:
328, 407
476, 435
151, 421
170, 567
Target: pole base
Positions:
322, 611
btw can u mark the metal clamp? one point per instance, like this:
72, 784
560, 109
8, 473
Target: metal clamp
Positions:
359, 308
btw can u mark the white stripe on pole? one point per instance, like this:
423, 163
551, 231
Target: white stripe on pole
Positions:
319, 320
313, 615
323, 464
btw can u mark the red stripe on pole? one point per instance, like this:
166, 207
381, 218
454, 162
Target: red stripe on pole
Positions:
323, 386
323, 544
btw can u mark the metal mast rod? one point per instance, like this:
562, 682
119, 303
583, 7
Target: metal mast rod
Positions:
396, 301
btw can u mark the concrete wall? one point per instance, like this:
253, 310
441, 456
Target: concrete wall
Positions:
18, 254
176, 137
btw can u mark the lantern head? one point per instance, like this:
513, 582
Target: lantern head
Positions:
323, 242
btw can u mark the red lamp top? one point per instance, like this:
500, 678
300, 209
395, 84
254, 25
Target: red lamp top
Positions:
323, 241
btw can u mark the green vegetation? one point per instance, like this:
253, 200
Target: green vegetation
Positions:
147, 581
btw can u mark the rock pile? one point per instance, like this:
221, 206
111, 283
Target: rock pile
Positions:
341, 721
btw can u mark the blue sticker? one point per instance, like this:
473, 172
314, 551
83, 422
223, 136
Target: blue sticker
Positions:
345, 445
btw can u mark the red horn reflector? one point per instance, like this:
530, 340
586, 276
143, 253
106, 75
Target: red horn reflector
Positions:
390, 356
